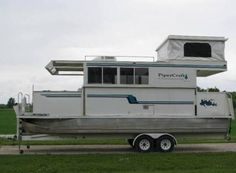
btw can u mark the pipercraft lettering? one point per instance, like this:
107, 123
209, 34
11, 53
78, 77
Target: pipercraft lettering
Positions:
174, 76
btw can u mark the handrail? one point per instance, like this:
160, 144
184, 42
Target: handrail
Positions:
27, 96
18, 97
230, 106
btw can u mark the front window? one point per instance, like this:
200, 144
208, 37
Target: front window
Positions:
141, 75
109, 75
94, 75
126, 76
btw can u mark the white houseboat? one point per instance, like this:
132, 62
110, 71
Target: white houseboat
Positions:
151, 103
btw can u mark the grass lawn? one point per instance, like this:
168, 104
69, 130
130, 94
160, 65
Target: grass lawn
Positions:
233, 128
7, 121
135, 162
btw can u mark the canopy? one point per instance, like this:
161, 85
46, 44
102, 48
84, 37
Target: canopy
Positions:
65, 67
174, 47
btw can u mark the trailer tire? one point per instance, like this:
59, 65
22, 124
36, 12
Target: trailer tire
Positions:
130, 141
165, 143
144, 144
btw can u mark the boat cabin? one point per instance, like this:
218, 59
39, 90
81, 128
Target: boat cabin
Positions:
165, 87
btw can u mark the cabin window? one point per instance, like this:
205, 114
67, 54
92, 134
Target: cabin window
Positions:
126, 76
197, 50
109, 75
141, 75
94, 75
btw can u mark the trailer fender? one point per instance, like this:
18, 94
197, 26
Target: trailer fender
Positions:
155, 136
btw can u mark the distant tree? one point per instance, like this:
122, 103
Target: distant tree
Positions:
201, 89
213, 89
11, 102
208, 89
3, 106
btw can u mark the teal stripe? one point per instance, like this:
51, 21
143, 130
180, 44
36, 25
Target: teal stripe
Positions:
133, 100
158, 65
167, 102
108, 95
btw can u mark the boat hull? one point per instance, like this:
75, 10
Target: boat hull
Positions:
129, 126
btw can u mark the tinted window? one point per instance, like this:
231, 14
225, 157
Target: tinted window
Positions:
109, 75
141, 75
126, 75
94, 75
197, 50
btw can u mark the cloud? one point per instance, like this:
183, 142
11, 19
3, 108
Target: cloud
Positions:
34, 32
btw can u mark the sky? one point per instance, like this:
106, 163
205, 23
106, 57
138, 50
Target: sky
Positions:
33, 32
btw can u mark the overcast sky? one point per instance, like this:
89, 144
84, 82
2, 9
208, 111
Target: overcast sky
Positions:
32, 32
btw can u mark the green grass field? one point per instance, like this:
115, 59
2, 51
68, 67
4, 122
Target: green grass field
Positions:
132, 163
233, 129
7, 121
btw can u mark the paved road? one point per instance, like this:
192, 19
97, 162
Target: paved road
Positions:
85, 149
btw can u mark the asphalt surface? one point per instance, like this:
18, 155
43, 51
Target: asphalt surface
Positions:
92, 149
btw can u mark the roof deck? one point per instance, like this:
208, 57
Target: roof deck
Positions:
204, 54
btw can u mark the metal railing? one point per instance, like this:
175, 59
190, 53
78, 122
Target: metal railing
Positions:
24, 103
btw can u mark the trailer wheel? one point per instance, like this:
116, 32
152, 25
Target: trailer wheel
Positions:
130, 141
165, 144
144, 144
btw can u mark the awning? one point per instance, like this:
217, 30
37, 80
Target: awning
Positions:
65, 67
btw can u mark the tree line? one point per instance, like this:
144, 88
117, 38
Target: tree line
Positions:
10, 103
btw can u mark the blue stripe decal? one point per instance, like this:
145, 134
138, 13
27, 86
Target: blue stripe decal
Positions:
158, 65
133, 100
61, 95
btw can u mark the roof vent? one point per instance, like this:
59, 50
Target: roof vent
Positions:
105, 58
